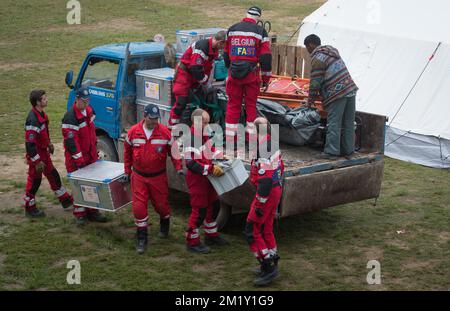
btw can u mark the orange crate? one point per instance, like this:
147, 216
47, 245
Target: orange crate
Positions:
291, 92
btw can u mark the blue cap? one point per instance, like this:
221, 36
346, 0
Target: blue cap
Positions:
82, 93
152, 111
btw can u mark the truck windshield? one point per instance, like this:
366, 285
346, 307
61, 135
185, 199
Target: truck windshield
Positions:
101, 73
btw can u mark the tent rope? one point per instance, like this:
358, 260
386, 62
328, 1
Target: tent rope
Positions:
415, 83
290, 38
403, 135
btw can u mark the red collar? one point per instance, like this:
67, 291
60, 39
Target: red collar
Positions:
249, 20
155, 130
78, 113
41, 118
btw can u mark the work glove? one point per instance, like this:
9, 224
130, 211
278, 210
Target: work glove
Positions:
217, 171
40, 167
259, 212
125, 178
181, 173
265, 86
51, 148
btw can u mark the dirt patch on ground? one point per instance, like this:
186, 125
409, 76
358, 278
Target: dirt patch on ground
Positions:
118, 25
9, 66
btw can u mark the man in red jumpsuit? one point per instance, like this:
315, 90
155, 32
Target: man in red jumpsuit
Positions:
38, 149
203, 197
147, 146
193, 71
266, 174
80, 144
247, 46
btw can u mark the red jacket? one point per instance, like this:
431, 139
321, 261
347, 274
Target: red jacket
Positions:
249, 42
37, 137
199, 158
148, 155
199, 58
80, 140
266, 172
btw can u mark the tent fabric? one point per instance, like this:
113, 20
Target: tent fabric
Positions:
398, 53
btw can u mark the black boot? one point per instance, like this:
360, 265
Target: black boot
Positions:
258, 270
66, 203
141, 244
216, 240
34, 213
97, 217
269, 271
164, 225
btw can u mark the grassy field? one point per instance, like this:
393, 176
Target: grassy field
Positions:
408, 231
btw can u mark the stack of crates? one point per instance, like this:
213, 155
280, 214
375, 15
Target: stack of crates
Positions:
154, 86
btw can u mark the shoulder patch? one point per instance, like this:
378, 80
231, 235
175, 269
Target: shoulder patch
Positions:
70, 135
31, 136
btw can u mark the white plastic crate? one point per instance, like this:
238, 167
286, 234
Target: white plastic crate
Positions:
235, 175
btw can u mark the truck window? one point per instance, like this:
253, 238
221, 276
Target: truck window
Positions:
101, 73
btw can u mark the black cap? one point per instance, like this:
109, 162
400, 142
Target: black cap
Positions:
152, 111
254, 10
82, 93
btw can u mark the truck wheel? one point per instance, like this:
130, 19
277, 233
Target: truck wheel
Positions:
224, 215
106, 149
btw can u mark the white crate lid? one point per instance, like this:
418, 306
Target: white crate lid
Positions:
102, 171
165, 73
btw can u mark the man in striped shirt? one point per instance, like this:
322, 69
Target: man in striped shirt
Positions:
331, 80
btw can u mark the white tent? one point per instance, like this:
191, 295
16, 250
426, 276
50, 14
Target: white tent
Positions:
398, 53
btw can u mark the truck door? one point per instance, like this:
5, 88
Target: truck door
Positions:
100, 77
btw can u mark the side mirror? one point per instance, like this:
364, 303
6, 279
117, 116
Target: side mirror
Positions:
69, 79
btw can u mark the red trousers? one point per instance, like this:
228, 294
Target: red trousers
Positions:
202, 200
79, 211
181, 86
156, 190
259, 229
246, 89
34, 181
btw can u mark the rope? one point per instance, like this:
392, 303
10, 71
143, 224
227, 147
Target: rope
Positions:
415, 83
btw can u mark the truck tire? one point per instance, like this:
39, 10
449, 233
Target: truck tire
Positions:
106, 149
223, 215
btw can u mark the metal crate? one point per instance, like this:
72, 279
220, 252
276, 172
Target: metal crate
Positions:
186, 37
235, 175
163, 110
98, 186
155, 85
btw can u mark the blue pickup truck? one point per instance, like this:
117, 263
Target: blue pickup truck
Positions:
309, 183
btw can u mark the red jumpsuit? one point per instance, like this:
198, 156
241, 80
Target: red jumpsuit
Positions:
194, 69
203, 197
146, 158
80, 145
266, 174
37, 140
247, 45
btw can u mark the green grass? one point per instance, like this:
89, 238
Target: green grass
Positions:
325, 250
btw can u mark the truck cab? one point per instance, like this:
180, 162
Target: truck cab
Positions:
108, 73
